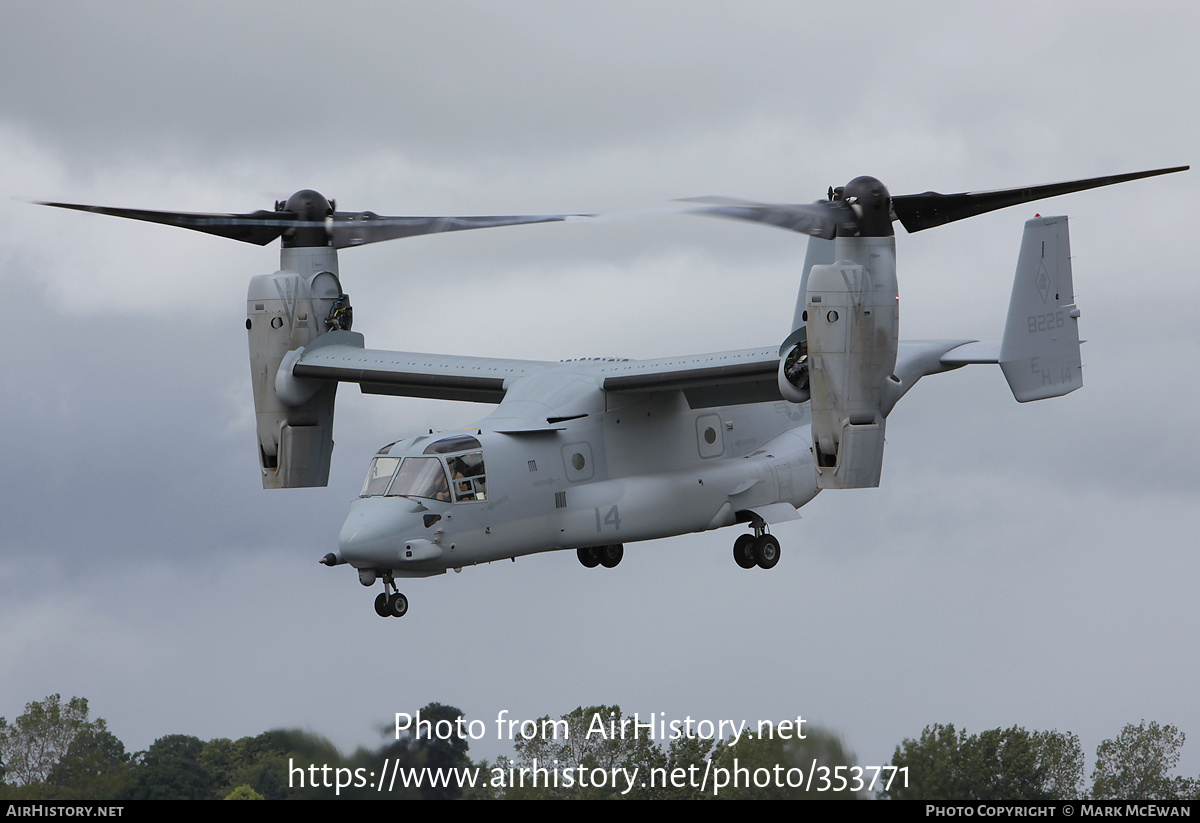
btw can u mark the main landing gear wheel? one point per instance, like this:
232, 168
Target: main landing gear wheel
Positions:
610, 556
743, 551
589, 557
391, 605
766, 551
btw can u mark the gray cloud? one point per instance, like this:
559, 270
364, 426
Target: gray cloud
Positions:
1020, 564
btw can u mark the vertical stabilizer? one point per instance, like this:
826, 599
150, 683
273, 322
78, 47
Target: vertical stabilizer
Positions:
1040, 350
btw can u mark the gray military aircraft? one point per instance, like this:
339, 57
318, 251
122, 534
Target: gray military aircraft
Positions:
592, 454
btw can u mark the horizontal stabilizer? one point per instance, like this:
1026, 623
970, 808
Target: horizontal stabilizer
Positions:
1040, 350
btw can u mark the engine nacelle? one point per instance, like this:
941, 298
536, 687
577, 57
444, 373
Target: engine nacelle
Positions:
852, 315
793, 367
285, 312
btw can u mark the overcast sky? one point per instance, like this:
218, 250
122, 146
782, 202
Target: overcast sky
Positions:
1020, 564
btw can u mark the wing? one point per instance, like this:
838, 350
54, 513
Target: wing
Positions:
717, 379
706, 380
342, 358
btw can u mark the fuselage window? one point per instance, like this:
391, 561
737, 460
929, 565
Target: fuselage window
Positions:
467, 476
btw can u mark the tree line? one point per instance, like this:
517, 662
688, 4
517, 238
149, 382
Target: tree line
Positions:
56, 751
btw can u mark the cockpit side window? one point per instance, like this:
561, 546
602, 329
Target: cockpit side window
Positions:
467, 476
421, 477
379, 475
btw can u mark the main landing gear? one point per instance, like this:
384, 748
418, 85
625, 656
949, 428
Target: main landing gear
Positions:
758, 549
606, 556
393, 604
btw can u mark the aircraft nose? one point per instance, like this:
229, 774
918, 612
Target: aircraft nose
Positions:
376, 528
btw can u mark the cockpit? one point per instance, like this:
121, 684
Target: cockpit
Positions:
448, 468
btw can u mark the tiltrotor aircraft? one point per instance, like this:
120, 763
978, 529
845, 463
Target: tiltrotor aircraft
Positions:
592, 454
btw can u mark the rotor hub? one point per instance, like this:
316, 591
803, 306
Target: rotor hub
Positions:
872, 205
310, 207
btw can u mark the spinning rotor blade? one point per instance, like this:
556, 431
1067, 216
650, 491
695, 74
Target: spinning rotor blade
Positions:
924, 211
308, 219
820, 219
359, 228
864, 207
260, 227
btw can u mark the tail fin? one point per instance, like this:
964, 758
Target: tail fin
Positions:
1040, 350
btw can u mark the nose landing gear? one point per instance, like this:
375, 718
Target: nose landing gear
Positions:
393, 604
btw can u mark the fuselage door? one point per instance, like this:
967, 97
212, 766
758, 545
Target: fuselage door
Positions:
708, 435
577, 460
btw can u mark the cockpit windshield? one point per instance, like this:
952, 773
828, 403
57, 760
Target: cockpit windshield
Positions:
421, 477
427, 476
379, 475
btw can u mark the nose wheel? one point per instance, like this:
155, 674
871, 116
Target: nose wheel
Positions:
391, 604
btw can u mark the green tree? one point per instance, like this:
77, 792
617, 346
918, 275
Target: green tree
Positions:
769, 767
933, 766
33, 744
998, 764
485, 788
221, 757
95, 767
258, 762
1061, 761
685, 756
1137, 765
581, 741
442, 751
172, 769
299, 750
244, 792
437, 745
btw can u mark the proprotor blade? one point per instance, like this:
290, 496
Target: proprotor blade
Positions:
307, 220
359, 228
820, 219
260, 227
923, 211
